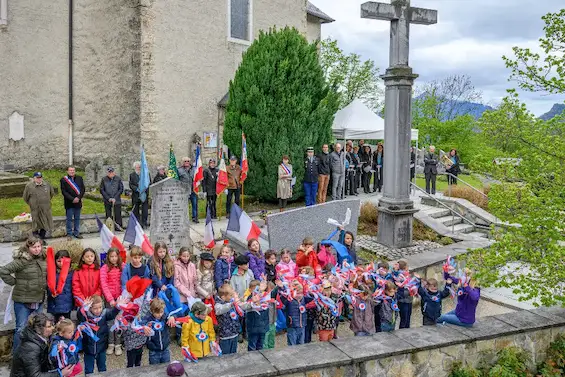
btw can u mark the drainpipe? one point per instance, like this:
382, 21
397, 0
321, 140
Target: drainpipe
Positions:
71, 82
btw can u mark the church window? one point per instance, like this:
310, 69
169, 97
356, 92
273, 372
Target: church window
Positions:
3, 12
240, 20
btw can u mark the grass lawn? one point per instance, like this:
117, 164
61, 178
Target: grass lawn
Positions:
441, 183
11, 207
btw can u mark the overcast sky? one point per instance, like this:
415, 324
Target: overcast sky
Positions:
470, 38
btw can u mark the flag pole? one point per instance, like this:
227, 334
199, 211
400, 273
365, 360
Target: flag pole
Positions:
242, 195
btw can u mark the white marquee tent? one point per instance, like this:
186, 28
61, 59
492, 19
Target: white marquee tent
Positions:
356, 121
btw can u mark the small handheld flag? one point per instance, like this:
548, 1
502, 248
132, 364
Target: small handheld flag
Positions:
199, 171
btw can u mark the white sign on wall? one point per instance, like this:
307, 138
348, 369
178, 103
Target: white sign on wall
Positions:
16, 126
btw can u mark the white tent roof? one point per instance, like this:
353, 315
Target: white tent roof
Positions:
356, 121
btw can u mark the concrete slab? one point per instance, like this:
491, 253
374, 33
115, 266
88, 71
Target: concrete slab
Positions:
526, 319
312, 356
488, 328
428, 337
362, 348
555, 313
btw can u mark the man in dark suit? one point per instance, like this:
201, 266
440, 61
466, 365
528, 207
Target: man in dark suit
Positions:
135, 196
72, 188
311, 172
430, 170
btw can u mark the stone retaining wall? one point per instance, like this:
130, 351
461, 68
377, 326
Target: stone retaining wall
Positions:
417, 352
14, 232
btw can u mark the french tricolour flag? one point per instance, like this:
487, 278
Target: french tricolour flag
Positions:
222, 181
244, 165
241, 223
109, 239
209, 241
199, 173
136, 236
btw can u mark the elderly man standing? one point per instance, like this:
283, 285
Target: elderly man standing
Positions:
430, 170
161, 174
186, 175
234, 183
337, 167
311, 171
38, 194
134, 178
72, 188
111, 188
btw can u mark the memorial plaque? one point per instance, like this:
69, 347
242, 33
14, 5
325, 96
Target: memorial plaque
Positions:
289, 228
169, 214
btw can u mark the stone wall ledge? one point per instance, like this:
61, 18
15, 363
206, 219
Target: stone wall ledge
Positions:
347, 353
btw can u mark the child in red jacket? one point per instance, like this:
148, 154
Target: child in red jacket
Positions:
86, 280
111, 284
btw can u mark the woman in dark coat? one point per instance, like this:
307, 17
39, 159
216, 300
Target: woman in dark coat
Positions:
378, 161
454, 169
31, 359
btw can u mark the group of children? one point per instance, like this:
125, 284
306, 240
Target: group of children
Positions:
217, 303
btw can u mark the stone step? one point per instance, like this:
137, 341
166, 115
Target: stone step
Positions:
450, 220
12, 190
479, 234
13, 178
463, 228
436, 212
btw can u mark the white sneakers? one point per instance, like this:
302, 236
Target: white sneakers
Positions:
118, 350
110, 350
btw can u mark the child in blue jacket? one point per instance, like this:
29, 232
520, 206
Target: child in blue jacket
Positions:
224, 266
158, 343
162, 268
431, 299
134, 268
61, 304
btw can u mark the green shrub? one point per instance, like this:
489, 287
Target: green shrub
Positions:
512, 362
458, 370
445, 241
554, 365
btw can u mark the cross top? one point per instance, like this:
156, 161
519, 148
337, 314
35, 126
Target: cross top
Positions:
401, 15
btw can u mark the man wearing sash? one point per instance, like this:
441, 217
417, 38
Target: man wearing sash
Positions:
72, 188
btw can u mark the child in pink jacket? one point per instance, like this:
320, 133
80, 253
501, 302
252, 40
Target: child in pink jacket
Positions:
111, 284
286, 268
185, 275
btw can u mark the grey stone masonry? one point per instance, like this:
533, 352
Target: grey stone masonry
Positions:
409, 351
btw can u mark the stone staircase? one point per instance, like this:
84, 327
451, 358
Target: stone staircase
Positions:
445, 223
12, 185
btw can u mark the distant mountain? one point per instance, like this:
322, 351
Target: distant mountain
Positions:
456, 108
557, 109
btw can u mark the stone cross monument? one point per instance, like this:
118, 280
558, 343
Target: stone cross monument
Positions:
395, 207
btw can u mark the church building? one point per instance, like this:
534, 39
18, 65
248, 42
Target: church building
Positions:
86, 79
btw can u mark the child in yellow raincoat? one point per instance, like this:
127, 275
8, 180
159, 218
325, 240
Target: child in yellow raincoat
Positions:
198, 331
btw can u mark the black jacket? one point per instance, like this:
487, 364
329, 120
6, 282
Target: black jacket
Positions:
430, 163
159, 177
91, 347
134, 185
311, 170
455, 168
375, 155
69, 194
210, 179
431, 302
32, 357
324, 163
270, 272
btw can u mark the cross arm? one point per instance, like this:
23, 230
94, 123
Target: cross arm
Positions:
423, 16
379, 11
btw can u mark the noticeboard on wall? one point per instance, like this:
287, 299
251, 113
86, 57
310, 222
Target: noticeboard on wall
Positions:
210, 140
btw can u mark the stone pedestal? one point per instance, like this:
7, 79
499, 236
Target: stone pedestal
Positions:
395, 207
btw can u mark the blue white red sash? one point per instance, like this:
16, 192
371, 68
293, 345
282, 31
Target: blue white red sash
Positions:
73, 185
286, 169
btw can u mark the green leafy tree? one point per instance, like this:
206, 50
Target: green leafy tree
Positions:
279, 98
351, 77
529, 257
543, 72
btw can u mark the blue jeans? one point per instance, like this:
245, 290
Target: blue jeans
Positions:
22, 314
310, 191
100, 359
294, 336
452, 319
405, 314
194, 204
309, 329
255, 341
228, 346
73, 221
387, 327
362, 333
159, 357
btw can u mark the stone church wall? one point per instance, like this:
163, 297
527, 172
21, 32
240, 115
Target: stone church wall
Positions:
187, 65
34, 81
106, 80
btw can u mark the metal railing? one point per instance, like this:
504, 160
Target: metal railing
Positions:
462, 181
453, 212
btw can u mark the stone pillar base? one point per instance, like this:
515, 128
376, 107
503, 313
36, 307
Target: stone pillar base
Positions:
395, 227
